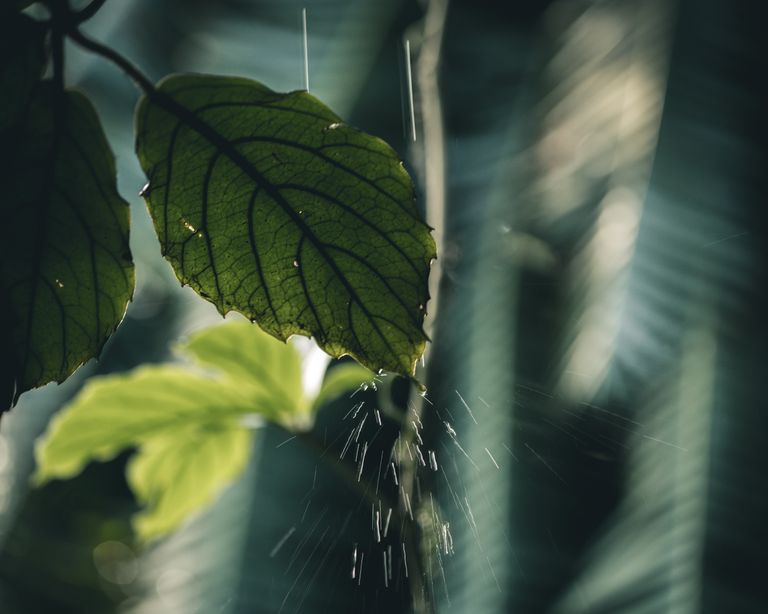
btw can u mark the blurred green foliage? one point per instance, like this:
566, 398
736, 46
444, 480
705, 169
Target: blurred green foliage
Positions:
192, 429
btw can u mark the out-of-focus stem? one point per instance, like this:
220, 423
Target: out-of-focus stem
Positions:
433, 152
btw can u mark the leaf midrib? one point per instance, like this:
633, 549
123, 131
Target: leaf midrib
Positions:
185, 115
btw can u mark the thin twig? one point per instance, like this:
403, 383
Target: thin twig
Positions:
113, 56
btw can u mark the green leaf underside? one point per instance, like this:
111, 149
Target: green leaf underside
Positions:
267, 204
66, 273
188, 424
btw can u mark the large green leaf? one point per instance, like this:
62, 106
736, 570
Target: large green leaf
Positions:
192, 425
66, 274
268, 204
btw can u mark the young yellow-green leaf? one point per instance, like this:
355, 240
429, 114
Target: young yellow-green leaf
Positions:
179, 473
66, 274
117, 412
189, 424
187, 429
269, 205
242, 352
345, 378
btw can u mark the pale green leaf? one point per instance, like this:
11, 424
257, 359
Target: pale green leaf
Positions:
191, 425
180, 472
117, 412
239, 350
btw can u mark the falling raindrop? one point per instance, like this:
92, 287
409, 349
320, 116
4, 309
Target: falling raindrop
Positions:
466, 405
386, 522
433, 460
360, 569
281, 542
493, 460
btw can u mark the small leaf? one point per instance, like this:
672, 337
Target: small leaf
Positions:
268, 204
177, 474
251, 359
116, 412
22, 59
187, 429
66, 273
189, 423
342, 379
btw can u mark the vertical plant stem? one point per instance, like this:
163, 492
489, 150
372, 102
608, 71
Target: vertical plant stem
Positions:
433, 151
434, 141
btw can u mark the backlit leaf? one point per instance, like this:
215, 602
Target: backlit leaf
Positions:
178, 473
192, 425
252, 360
117, 412
66, 273
269, 205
